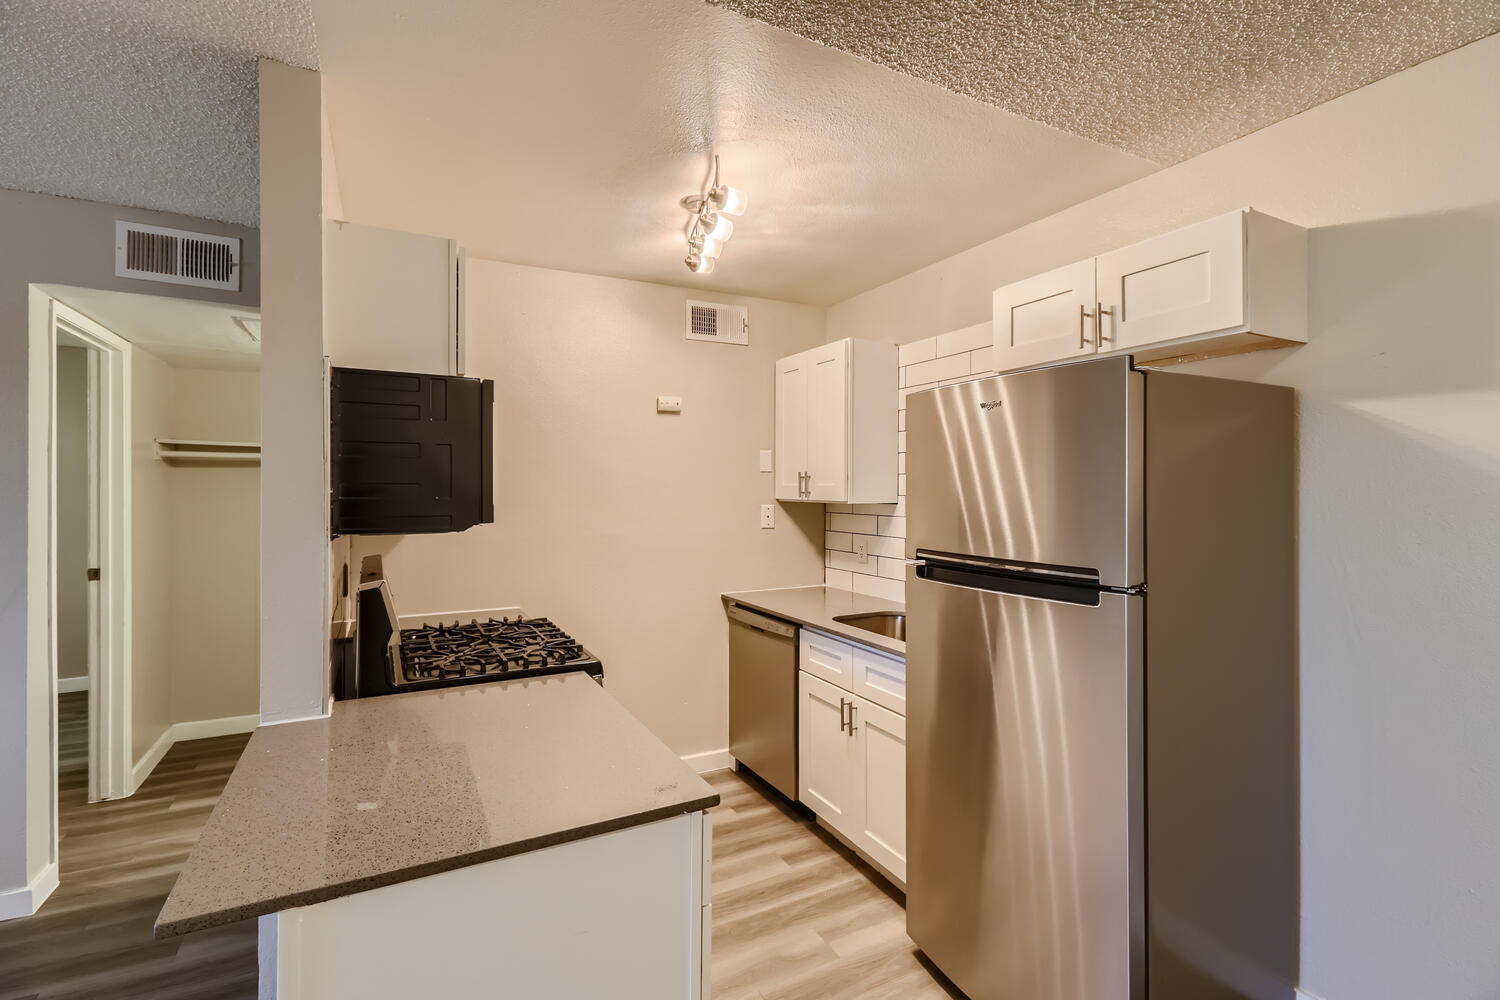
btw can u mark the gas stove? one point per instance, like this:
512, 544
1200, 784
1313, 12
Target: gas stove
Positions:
496, 646
390, 659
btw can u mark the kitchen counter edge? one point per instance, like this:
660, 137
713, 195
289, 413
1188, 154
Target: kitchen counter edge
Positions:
814, 607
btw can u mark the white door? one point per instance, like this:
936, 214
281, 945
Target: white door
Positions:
881, 738
1182, 284
827, 754
791, 427
1044, 318
828, 422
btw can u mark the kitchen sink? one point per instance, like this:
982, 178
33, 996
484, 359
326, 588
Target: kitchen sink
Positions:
891, 624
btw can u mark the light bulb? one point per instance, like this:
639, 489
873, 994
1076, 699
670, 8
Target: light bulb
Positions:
716, 227
712, 247
731, 200
701, 265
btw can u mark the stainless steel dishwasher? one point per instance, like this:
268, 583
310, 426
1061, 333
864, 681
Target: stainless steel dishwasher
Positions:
763, 697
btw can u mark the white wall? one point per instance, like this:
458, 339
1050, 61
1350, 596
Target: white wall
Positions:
621, 524
151, 613
294, 547
72, 512
71, 242
1399, 494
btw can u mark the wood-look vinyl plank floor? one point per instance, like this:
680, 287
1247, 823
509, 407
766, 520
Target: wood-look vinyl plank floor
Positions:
117, 862
798, 916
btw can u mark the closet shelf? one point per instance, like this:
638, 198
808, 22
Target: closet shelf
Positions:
188, 451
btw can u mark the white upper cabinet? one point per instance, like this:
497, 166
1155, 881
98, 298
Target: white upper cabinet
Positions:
395, 301
1233, 283
836, 424
1045, 318
791, 427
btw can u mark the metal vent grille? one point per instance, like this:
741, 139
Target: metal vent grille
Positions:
153, 253
719, 323
703, 322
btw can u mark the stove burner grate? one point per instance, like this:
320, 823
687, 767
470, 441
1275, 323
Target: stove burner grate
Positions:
494, 646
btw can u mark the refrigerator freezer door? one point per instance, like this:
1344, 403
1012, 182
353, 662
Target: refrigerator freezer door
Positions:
1025, 833
1043, 466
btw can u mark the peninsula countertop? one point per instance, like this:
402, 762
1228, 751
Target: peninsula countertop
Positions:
816, 606
405, 786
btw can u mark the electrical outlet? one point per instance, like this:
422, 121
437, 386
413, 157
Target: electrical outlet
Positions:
768, 515
668, 404
861, 548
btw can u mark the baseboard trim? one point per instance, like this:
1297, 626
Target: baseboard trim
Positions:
205, 729
709, 761
27, 899
181, 732
67, 685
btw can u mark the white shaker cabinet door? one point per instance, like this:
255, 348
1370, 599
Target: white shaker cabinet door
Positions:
881, 736
1049, 317
1182, 284
828, 421
791, 427
827, 754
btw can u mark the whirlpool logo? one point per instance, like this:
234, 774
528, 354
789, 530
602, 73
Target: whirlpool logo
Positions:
991, 404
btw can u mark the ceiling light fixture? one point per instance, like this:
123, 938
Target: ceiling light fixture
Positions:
711, 226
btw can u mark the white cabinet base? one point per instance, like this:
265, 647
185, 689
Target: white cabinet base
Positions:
619, 915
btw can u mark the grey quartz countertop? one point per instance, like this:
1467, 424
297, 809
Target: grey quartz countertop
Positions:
816, 607
404, 786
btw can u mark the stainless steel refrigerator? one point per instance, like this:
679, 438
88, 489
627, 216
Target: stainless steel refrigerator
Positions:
1101, 662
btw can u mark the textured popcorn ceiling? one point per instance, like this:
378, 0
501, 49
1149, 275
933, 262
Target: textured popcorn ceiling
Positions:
150, 103
1160, 79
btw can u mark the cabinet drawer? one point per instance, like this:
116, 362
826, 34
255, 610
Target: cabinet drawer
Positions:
880, 679
826, 657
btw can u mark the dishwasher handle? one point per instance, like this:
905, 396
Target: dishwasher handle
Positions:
759, 622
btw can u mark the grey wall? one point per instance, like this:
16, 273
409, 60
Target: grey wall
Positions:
67, 241
1399, 395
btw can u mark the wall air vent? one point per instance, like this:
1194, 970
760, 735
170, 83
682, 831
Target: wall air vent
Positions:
718, 323
154, 253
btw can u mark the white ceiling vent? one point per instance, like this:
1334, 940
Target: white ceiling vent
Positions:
154, 253
719, 323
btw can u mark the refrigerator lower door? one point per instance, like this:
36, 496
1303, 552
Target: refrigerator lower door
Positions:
1025, 792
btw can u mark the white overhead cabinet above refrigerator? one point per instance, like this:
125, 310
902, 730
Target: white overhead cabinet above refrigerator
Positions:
1231, 284
836, 423
395, 300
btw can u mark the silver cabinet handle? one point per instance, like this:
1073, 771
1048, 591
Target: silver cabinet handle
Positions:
852, 707
801, 488
842, 705
1099, 313
1083, 316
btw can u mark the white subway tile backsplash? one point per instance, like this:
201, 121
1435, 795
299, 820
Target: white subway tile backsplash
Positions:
938, 370
839, 540
884, 509
863, 524
890, 546
849, 561
901, 461
901, 441
968, 339
892, 569
842, 579
982, 361
892, 526
901, 485
901, 420
917, 350
879, 586
837, 508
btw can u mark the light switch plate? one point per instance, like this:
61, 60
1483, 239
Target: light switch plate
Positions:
668, 404
767, 464
768, 515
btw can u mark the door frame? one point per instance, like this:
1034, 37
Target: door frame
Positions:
110, 602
